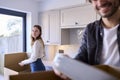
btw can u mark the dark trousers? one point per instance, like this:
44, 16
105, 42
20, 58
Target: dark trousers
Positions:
37, 66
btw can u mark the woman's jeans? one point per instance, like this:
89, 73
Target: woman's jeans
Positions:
37, 66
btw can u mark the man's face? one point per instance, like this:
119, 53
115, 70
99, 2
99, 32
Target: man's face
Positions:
106, 8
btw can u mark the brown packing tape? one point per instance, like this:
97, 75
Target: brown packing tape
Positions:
41, 75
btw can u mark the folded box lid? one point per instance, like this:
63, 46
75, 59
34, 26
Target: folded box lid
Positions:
12, 60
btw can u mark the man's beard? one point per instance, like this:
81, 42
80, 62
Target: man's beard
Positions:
111, 13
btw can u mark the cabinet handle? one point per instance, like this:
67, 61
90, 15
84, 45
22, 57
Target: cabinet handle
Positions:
76, 23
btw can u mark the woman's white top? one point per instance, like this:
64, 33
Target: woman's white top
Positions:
38, 51
110, 52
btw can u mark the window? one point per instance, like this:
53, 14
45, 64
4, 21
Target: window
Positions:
12, 31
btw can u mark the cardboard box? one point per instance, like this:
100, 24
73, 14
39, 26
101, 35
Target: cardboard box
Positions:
15, 70
50, 75
82, 71
114, 71
11, 66
41, 75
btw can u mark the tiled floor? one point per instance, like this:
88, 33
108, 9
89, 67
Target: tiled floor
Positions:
1, 77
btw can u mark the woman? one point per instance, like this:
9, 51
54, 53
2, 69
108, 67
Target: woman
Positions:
38, 51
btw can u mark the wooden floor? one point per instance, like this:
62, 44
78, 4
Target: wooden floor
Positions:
1, 77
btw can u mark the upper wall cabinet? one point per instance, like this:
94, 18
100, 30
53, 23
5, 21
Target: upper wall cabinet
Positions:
77, 16
50, 26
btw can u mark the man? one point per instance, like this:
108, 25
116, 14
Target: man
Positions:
101, 39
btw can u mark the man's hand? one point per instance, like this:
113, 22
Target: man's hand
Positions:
56, 63
61, 75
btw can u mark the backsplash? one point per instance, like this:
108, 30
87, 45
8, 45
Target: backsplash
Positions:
76, 36
70, 50
75, 40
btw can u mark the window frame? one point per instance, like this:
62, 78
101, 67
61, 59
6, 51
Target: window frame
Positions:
19, 14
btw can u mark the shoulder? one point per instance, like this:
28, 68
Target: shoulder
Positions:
93, 26
38, 42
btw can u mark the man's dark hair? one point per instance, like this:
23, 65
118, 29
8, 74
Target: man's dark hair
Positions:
91, 1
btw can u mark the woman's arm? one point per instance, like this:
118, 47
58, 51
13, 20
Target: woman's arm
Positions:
34, 55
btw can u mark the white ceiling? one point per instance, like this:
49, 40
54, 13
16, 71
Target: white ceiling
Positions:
40, 0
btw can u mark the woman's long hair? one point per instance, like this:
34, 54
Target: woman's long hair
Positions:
39, 37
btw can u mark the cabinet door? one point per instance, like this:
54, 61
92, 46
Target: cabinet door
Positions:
50, 25
77, 16
43, 20
69, 16
54, 29
87, 15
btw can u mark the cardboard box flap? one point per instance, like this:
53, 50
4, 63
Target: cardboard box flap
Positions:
41, 75
12, 60
18, 68
115, 71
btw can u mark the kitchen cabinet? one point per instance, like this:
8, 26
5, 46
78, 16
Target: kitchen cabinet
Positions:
77, 17
50, 26
57, 24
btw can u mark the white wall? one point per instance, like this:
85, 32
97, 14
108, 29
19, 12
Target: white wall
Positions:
1, 63
57, 4
32, 8
71, 49
28, 6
